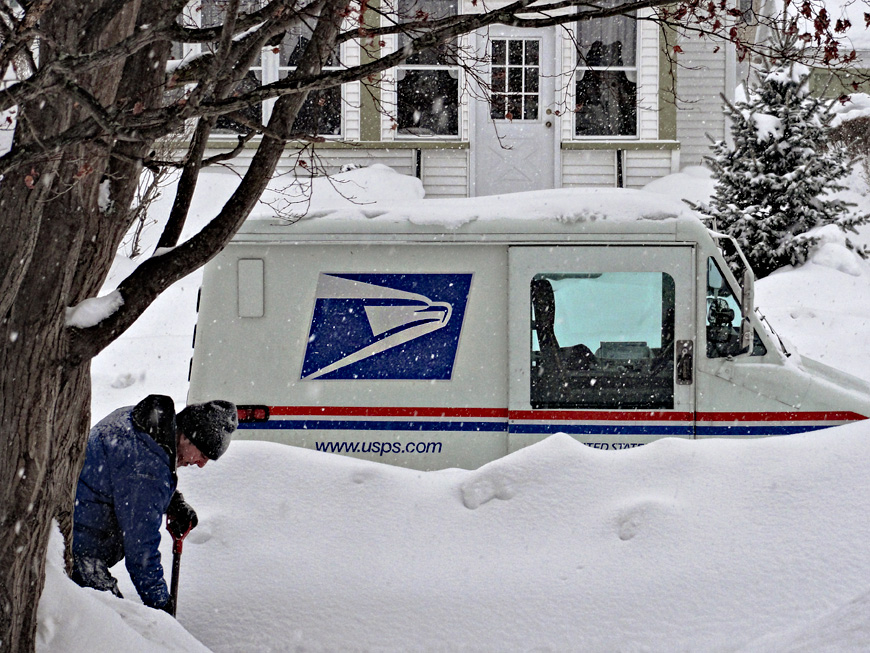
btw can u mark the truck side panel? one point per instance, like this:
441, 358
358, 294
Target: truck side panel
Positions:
338, 395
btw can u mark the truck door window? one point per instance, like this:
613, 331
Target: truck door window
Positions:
602, 340
724, 318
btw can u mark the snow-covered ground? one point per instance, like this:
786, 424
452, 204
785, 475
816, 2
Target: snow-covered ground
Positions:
675, 546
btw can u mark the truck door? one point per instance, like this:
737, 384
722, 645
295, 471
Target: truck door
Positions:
601, 344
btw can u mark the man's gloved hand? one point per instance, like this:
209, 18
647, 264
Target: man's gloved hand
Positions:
168, 607
180, 515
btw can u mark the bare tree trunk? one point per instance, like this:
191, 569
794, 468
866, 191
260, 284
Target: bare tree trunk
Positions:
38, 418
45, 395
45, 365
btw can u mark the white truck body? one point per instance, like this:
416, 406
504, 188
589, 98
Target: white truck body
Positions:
448, 333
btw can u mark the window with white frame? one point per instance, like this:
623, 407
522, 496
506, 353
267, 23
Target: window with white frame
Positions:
515, 73
606, 86
322, 112
427, 83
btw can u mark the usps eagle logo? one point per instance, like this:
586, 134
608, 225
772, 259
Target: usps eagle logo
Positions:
386, 326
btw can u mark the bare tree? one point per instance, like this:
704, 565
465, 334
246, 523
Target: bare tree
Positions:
88, 81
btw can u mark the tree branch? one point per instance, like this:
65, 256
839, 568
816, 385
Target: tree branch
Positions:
186, 185
157, 273
244, 22
76, 65
17, 39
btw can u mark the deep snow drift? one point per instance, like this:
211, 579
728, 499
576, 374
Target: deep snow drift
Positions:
678, 545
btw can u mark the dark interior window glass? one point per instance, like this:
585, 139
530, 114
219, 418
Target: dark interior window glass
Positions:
428, 102
606, 88
725, 318
602, 340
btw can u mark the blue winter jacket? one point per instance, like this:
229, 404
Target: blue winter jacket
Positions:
123, 492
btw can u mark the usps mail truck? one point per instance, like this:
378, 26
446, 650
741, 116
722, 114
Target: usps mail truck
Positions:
448, 333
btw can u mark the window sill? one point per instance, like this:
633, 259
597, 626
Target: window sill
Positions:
617, 144
336, 143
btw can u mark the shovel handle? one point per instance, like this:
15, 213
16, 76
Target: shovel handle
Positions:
177, 544
177, 539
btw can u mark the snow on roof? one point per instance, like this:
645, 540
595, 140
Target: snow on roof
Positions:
565, 205
856, 106
574, 209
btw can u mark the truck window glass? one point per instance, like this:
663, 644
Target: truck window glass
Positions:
602, 340
724, 318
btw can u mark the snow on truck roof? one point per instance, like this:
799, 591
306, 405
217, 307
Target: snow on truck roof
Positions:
562, 211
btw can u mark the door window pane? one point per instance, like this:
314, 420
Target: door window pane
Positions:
602, 340
514, 79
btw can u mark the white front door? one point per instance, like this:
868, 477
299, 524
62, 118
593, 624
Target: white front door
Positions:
514, 137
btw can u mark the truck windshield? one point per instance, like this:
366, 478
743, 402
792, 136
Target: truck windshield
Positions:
724, 317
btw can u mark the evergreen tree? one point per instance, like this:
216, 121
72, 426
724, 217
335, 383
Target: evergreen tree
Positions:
773, 183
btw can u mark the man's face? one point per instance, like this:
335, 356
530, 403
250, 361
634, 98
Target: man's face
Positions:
188, 453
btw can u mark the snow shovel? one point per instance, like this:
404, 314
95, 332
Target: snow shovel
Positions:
177, 545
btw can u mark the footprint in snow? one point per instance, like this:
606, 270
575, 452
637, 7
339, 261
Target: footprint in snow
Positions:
632, 519
486, 487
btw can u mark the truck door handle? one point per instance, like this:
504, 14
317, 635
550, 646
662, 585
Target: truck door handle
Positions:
685, 361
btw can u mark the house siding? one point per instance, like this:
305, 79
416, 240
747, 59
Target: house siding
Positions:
648, 79
598, 167
445, 173
589, 168
702, 74
642, 167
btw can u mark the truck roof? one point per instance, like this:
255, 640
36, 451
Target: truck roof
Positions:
599, 213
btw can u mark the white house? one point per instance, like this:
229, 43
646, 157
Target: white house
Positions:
608, 102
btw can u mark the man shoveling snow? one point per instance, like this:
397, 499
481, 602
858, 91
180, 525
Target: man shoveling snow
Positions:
128, 483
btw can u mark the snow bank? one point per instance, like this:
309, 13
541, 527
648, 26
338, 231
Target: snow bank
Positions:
294, 197
693, 183
822, 308
857, 106
291, 195
677, 545
77, 620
